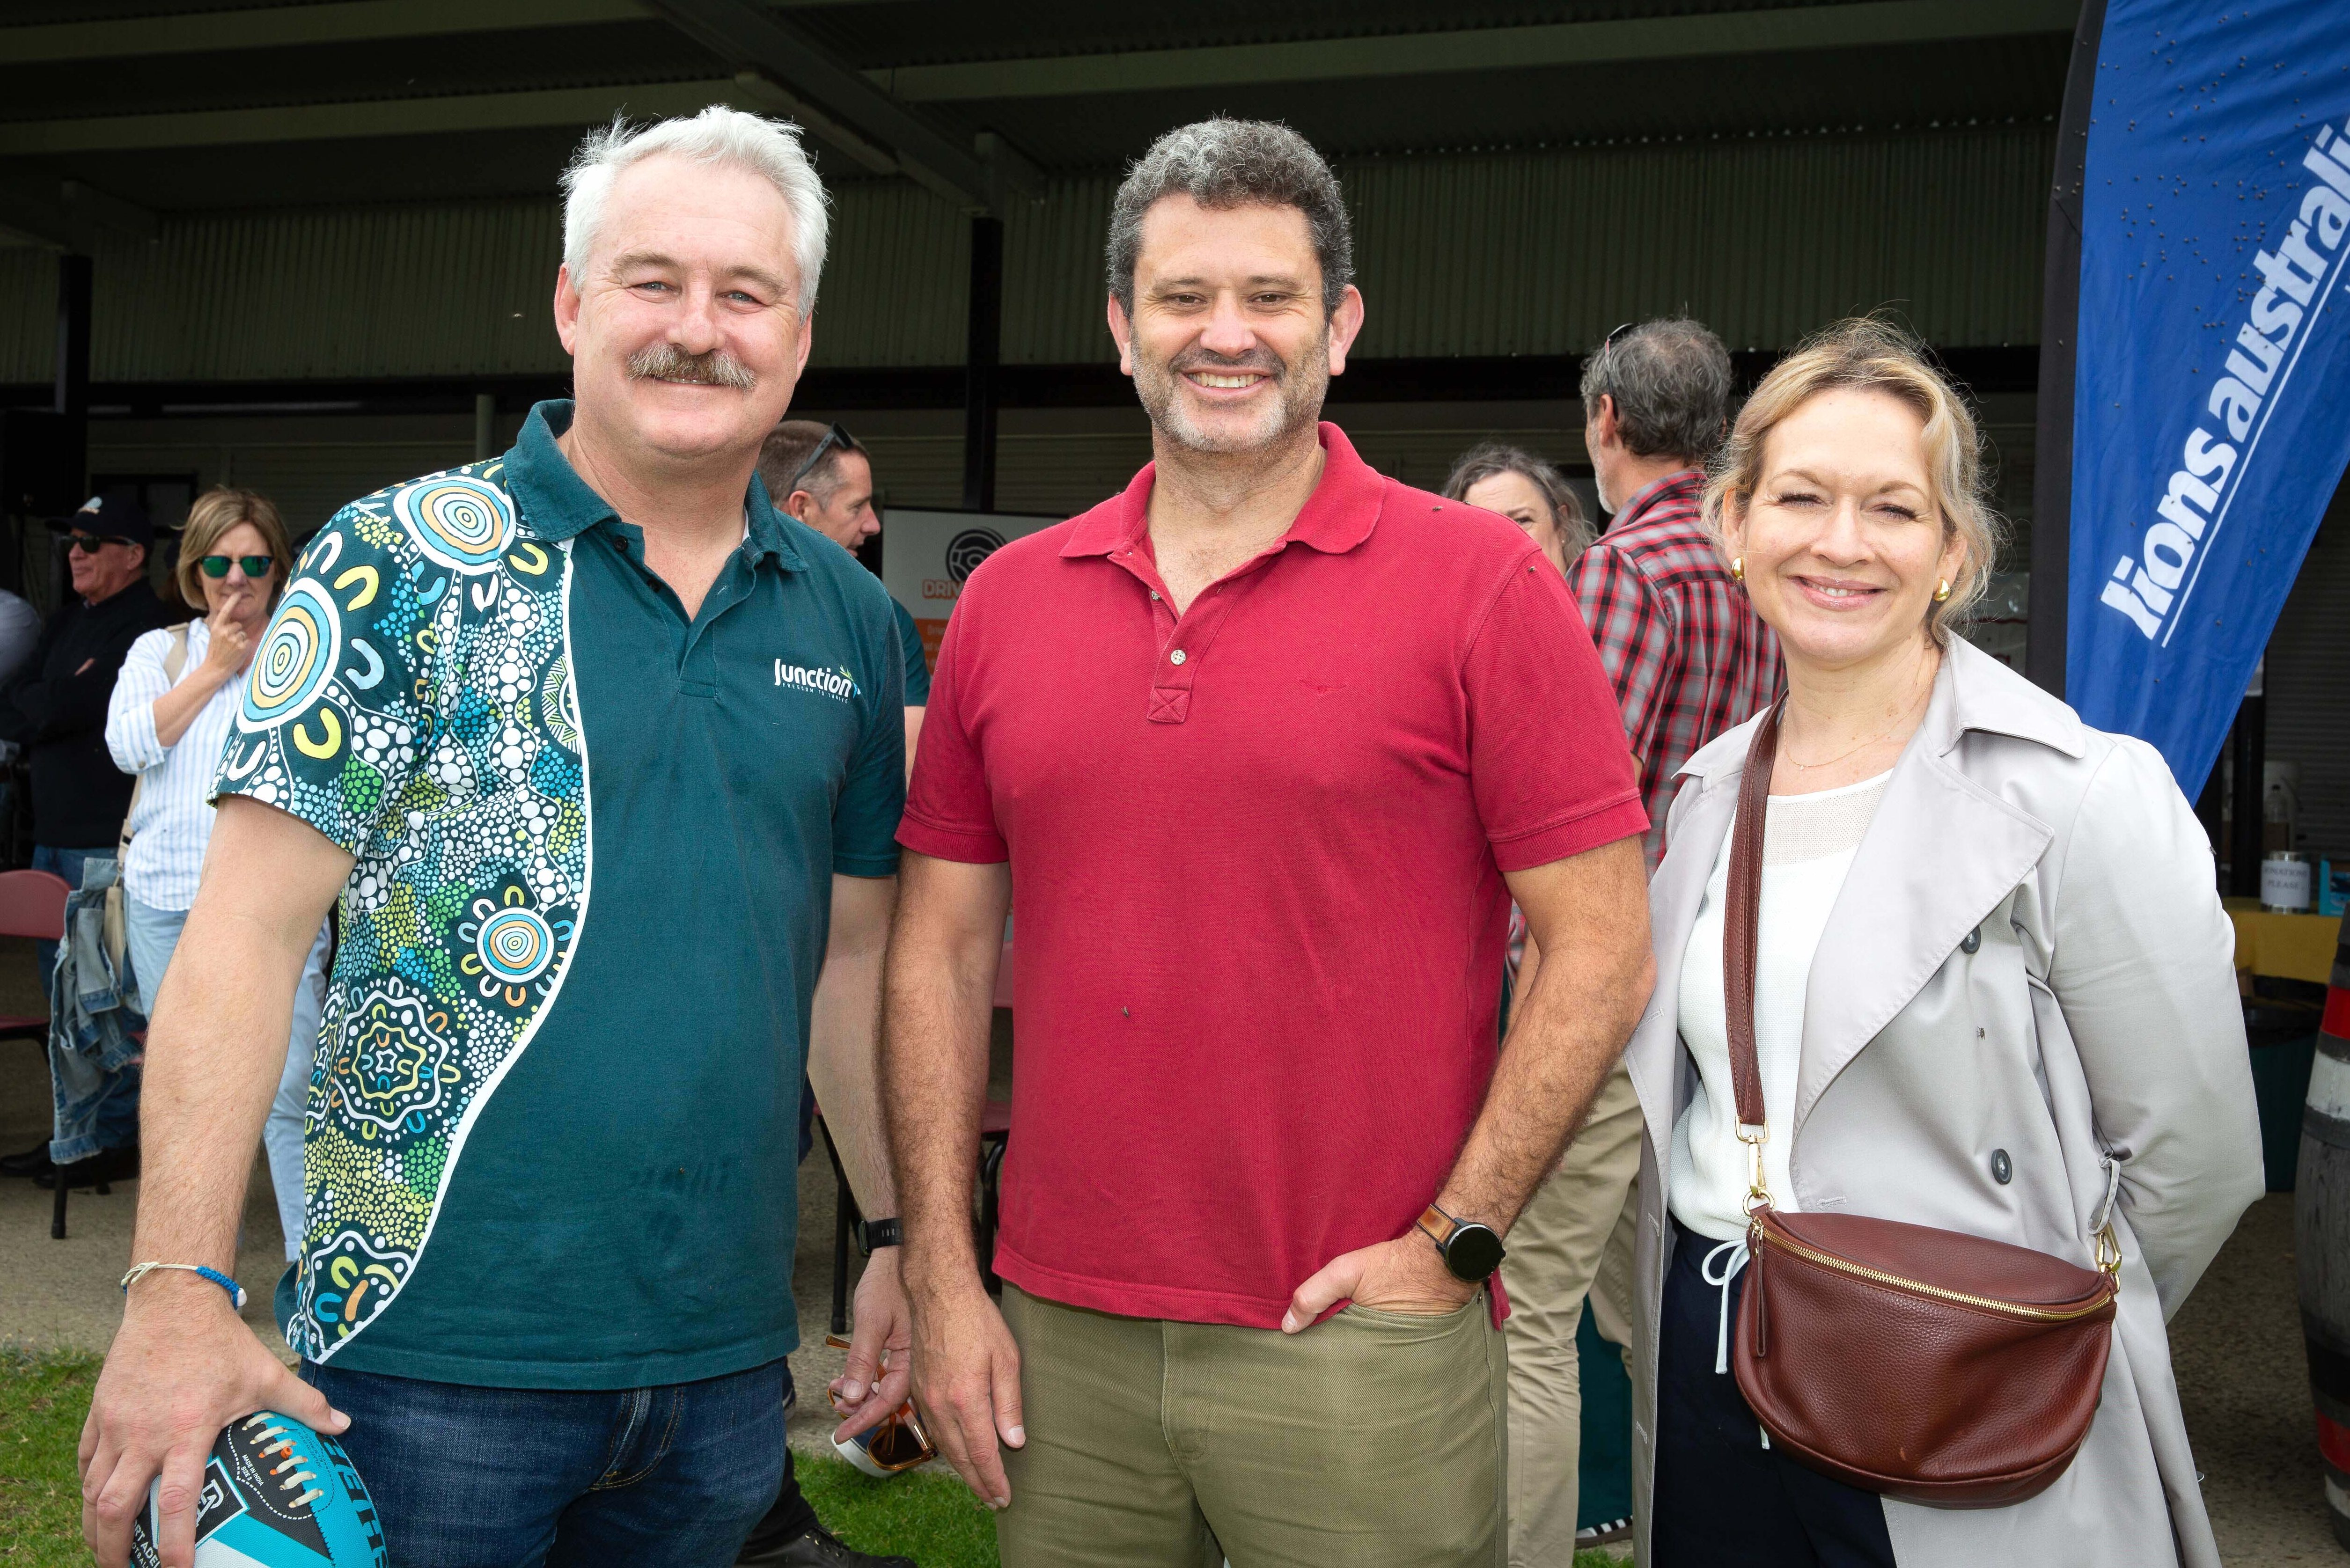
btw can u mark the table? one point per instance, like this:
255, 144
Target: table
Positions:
2288, 947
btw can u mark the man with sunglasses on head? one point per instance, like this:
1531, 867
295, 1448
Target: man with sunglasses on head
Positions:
1690, 659
55, 710
819, 474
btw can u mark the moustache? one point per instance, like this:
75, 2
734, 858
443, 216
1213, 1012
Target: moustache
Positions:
1260, 360
668, 362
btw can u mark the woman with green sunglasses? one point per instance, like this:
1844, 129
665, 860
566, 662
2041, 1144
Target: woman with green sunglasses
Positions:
170, 714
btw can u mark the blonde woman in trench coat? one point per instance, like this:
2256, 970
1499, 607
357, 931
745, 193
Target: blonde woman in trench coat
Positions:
2023, 983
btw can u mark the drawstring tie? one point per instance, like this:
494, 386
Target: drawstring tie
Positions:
1733, 1258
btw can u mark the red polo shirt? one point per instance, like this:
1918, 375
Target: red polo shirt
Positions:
1256, 869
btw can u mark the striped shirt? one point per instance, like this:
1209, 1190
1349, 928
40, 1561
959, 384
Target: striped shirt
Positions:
172, 821
1688, 654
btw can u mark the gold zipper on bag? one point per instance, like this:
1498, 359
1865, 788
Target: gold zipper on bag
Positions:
1878, 1276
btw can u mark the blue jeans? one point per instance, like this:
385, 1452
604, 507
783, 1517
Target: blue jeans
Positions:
464, 1477
152, 935
115, 1122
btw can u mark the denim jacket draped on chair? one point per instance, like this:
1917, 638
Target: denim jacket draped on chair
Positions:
95, 1024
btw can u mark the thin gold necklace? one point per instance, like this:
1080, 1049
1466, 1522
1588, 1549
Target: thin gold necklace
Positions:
1873, 740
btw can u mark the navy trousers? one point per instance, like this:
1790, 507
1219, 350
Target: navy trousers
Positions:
1722, 1499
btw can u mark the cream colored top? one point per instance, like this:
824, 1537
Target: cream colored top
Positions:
1808, 842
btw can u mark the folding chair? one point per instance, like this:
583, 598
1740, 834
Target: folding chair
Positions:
33, 904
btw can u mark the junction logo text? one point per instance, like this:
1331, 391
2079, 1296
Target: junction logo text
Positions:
838, 684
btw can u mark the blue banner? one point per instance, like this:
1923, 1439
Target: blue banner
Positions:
2211, 413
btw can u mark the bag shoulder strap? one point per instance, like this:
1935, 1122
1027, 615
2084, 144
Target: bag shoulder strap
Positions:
1741, 914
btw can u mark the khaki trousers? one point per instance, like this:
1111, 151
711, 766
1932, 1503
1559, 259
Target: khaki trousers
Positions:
1370, 1440
1575, 1237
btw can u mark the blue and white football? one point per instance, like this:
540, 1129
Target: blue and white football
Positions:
276, 1495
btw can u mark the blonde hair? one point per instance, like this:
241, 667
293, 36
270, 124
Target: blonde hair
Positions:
1870, 354
214, 513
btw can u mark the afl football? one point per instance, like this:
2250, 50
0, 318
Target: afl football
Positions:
276, 1494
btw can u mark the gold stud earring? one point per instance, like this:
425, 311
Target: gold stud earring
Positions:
1738, 568
1942, 590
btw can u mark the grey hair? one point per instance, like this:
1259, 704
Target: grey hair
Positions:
1222, 164
1483, 461
718, 135
1671, 381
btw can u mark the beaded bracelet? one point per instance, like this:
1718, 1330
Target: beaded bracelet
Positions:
235, 1292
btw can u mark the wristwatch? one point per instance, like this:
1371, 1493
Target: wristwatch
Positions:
1470, 1251
872, 1235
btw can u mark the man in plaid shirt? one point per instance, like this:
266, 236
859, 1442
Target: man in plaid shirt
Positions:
1689, 656
1690, 659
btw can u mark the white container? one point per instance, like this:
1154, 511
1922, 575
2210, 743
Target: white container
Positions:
2284, 882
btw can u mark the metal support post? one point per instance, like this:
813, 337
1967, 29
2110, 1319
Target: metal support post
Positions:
72, 393
2248, 755
980, 359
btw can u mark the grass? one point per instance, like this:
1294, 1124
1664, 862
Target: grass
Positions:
929, 1517
43, 1399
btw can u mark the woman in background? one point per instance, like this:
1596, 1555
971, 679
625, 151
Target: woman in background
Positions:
167, 723
1527, 491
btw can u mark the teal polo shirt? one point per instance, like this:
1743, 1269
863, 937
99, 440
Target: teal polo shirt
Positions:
552, 1130
918, 665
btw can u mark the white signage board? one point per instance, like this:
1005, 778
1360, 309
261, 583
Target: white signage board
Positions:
926, 555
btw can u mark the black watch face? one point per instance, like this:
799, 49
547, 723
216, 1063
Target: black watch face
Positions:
1474, 1253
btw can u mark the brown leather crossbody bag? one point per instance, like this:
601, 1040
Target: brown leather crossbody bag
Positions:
1923, 1363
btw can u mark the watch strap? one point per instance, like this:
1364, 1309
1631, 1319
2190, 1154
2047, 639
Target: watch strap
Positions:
872, 1235
1438, 1226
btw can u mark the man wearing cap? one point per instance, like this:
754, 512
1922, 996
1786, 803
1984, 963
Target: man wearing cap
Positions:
55, 710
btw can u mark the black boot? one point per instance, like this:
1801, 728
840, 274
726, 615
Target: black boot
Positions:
108, 1165
34, 1161
818, 1548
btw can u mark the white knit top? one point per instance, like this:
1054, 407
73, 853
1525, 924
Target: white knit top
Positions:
1808, 843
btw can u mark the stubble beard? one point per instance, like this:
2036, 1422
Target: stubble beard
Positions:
1301, 388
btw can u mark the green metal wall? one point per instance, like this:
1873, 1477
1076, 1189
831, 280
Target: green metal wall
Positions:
1466, 254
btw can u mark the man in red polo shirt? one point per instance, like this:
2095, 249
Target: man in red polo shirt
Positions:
1265, 745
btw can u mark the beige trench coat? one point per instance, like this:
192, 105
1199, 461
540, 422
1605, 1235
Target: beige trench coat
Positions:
2097, 1015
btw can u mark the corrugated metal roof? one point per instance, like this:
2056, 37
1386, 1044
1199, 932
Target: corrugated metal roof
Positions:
1767, 240
1530, 253
905, 32
1541, 253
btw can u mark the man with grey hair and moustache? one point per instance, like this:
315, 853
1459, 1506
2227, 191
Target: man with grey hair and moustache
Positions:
602, 756
1263, 1154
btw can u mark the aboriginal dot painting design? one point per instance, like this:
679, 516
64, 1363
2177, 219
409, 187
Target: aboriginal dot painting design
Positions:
412, 701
